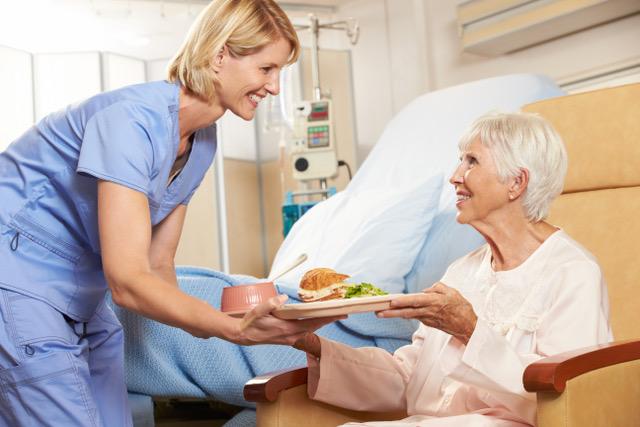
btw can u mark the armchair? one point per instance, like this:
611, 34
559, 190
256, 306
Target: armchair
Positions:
598, 386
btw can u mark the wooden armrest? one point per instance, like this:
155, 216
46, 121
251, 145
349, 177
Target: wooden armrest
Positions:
552, 373
266, 388
548, 374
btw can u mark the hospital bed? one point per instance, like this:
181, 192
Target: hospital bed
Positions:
394, 226
599, 206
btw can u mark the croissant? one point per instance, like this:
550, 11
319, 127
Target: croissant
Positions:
321, 284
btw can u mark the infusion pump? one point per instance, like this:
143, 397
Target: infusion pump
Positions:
313, 151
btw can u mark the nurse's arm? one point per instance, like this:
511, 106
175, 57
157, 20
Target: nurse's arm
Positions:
125, 241
164, 244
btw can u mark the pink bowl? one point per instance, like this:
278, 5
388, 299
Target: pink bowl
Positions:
241, 298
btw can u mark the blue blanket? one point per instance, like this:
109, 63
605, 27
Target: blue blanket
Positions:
165, 361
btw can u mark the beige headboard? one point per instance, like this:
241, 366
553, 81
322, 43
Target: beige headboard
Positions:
600, 204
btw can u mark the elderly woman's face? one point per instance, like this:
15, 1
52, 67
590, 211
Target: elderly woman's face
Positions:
247, 80
478, 189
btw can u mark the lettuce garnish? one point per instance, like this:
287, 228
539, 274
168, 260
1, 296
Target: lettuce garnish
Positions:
363, 290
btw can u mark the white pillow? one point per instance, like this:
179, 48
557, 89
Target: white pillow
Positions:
372, 235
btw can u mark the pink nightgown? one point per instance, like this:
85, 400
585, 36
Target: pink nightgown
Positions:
553, 302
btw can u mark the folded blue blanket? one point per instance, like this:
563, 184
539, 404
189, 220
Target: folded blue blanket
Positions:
165, 361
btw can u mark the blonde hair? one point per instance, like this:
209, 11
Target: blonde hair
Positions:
524, 141
244, 26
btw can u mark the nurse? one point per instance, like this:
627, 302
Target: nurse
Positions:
94, 197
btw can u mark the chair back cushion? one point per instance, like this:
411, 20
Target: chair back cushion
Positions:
601, 198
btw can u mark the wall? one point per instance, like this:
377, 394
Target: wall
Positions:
34, 85
389, 62
16, 84
409, 47
585, 50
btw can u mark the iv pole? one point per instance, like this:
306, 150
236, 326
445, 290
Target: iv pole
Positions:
352, 29
291, 211
315, 62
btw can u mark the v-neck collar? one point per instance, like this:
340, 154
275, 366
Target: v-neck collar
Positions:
175, 183
181, 161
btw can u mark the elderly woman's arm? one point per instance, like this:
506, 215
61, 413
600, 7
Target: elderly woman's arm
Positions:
363, 379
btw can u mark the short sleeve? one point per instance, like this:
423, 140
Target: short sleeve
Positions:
187, 199
117, 147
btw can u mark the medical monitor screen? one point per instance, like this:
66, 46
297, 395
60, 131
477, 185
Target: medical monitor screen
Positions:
319, 112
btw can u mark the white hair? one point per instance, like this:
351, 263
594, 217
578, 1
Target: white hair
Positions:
524, 141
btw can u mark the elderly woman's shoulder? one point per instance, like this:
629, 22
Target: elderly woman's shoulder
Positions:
568, 257
567, 246
472, 259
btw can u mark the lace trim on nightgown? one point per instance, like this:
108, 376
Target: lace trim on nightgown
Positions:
505, 306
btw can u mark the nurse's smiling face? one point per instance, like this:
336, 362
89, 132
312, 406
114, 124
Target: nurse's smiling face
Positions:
245, 80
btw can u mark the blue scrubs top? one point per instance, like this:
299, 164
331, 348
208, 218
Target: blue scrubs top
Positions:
49, 243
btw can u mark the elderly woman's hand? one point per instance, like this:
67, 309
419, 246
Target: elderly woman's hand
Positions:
440, 307
259, 326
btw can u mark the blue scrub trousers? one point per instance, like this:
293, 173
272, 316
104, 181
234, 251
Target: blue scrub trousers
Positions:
58, 372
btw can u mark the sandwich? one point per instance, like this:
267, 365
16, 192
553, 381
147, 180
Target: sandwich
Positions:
322, 284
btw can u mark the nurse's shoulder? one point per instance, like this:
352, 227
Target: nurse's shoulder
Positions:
130, 134
146, 102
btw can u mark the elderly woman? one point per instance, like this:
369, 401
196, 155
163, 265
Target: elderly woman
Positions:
530, 292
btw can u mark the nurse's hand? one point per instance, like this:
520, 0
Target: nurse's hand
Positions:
440, 307
259, 326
